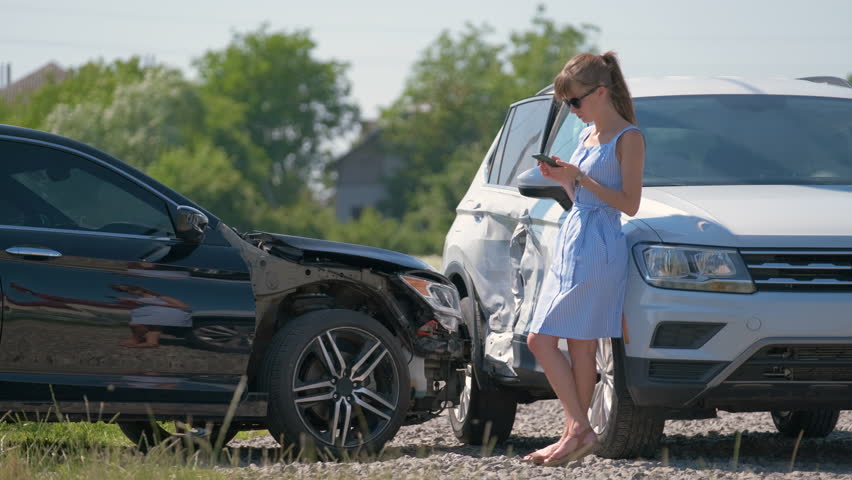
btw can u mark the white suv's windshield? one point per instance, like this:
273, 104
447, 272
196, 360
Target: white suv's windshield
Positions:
746, 139
739, 139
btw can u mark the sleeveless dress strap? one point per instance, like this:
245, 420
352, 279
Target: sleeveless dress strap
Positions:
629, 127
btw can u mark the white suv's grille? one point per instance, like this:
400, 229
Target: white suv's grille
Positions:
813, 270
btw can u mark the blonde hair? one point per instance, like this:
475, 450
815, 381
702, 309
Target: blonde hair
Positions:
588, 69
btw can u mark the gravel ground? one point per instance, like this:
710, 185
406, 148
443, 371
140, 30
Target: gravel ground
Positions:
690, 449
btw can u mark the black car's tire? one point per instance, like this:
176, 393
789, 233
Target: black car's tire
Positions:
625, 430
146, 435
354, 365
816, 423
480, 415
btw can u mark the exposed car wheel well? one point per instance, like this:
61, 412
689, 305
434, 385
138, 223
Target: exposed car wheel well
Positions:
321, 296
458, 281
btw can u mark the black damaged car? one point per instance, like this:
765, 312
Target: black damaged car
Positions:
121, 296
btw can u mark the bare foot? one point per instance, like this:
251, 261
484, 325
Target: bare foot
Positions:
564, 449
579, 443
539, 455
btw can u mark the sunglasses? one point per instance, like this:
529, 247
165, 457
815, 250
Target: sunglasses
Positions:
575, 102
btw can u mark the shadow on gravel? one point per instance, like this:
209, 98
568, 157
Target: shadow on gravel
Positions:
514, 446
768, 451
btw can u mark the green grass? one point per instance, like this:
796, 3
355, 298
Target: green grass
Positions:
80, 434
37, 449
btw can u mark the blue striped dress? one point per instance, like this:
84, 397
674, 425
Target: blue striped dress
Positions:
582, 296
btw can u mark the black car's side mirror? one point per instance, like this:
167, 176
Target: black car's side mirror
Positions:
190, 224
532, 183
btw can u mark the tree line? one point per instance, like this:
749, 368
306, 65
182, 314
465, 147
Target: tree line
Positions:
249, 138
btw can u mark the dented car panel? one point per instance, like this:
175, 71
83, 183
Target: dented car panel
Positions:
293, 275
215, 300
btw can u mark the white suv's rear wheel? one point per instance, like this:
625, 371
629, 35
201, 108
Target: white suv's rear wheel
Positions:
625, 430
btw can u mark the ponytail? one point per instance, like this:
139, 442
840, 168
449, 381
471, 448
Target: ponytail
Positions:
619, 94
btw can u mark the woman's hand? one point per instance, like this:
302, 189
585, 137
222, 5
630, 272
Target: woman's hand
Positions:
565, 175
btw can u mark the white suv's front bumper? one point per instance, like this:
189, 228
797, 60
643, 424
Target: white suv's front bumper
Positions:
773, 349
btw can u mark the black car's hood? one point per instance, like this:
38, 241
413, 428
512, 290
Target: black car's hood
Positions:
312, 250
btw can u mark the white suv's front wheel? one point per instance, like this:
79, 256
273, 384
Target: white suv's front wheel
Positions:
625, 429
480, 414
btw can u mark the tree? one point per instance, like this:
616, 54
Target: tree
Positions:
453, 104
456, 94
538, 54
92, 83
205, 174
292, 104
141, 121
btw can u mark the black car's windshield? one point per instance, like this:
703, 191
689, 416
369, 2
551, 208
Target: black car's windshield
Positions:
741, 139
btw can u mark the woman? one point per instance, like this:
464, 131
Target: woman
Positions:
583, 294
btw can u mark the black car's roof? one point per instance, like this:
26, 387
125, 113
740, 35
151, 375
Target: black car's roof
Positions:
11, 131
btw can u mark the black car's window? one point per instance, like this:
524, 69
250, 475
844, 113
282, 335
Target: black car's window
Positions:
746, 139
494, 173
524, 139
48, 188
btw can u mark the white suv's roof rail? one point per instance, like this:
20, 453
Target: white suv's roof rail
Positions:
656, 86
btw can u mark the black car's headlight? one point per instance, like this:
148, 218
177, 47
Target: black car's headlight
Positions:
693, 268
444, 299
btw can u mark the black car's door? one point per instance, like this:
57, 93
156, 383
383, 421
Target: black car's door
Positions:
100, 297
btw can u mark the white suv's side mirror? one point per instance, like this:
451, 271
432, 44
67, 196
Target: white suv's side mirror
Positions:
532, 183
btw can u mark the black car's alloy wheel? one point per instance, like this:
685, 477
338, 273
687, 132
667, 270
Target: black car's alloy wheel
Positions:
338, 377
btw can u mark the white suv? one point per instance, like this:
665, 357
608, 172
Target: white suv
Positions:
740, 282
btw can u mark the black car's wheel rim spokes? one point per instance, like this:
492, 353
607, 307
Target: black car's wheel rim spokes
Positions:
371, 358
346, 387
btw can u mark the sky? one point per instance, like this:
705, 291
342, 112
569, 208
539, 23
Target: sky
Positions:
381, 39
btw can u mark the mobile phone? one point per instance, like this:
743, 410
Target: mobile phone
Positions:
548, 160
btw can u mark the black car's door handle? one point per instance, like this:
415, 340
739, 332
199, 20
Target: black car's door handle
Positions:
33, 252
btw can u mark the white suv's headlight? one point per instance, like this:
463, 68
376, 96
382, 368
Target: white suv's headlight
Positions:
444, 299
693, 268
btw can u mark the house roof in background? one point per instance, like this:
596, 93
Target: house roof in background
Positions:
33, 81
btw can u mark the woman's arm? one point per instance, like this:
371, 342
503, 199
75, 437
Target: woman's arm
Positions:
630, 151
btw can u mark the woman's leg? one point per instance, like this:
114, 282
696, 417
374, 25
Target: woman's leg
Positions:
585, 371
585, 375
560, 375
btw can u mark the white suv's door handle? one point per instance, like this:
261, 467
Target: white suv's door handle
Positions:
33, 252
